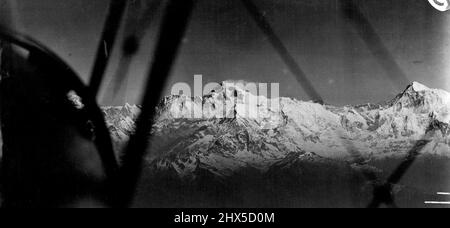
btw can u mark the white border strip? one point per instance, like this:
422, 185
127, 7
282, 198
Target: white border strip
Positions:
437, 203
444, 193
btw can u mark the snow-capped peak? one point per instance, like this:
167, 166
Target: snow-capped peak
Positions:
420, 98
229, 100
131, 110
418, 87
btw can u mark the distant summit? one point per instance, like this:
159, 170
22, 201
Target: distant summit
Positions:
416, 86
422, 99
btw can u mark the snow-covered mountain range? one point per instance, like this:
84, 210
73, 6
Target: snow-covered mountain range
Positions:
224, 145
299, 154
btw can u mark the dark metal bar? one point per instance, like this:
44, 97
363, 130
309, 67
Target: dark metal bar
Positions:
300, 75
403, 167
132, 42
276, 42
174, 25
374, 42
351, 11
108, 38
71, 81
383, 193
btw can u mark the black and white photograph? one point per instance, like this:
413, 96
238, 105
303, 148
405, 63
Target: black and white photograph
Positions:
224, 104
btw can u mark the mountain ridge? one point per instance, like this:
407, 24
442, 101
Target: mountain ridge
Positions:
227, 144
303, 154
227, 140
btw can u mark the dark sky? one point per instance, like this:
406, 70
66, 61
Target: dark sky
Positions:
223, 43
